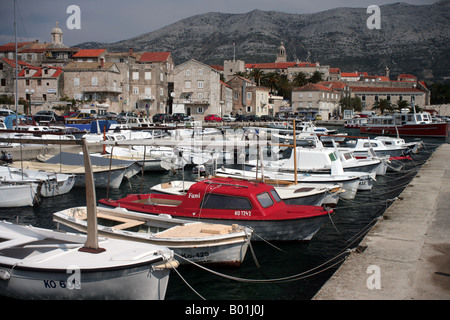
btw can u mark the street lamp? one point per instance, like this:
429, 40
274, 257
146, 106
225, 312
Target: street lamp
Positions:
29, 93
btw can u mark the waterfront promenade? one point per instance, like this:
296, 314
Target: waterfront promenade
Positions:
406, 255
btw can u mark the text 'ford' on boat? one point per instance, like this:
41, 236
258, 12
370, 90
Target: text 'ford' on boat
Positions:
225, 200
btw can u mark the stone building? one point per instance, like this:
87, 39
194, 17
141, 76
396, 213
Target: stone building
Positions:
42, 86
150, 83
197, 89
316, 99
94, 83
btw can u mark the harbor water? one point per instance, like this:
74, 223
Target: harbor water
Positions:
271, 271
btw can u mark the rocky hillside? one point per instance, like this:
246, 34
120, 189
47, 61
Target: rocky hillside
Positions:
412, 39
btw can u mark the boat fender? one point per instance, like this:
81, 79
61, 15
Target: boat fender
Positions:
4, 275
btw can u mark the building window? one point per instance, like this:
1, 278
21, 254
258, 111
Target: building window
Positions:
161, 91
136, 90
200, 72
3, 82
161, 76
249, 96
148, 75
27, 82
200, 84
310, 95
148, 91
94, 81
76, 82
200, 95
135, 75
187, 84
300, 95
188, 73
200, 110
248, 109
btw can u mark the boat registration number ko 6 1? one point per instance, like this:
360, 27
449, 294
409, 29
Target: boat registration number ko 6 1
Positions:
242, 213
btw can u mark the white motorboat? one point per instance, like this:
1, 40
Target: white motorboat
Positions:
199, 242
382, 147
38, 263
52, 184
18, 193
104, 176
349, 183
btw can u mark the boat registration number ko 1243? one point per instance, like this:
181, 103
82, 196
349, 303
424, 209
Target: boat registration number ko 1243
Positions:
242, 213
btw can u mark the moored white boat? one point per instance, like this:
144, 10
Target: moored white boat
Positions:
52, 184
38, 263
18, 193
198, 242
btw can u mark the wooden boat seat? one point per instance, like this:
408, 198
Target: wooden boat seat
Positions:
126, 223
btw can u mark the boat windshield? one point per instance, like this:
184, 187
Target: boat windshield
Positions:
275, 195
221, 201
265, 199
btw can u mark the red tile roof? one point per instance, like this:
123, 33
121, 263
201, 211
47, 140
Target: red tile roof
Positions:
313, 87
154, 56
278, 65
335, 70
384, 89
12, 46
88, 53
354, 74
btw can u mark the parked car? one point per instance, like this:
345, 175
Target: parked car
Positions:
123, 116
162, 117
266, 118
213, 118
68, 114
228, 118
253, 118
47, 116
111, 115
241, 117
179, 117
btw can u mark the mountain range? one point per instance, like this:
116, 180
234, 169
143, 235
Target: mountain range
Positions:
413, 39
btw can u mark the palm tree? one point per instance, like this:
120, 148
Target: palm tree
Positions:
383, 104
402, 104
257, 75
299, 79
271, 80
316, 77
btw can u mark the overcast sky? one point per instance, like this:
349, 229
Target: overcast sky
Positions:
115, 20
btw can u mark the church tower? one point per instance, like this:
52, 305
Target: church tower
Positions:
57, 36
281, 55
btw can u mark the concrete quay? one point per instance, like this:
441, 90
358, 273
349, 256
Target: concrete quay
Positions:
407, 252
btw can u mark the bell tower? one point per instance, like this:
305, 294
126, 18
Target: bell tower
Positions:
281, 55
57, 35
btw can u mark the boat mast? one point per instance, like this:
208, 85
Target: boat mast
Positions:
91, 244
16, 99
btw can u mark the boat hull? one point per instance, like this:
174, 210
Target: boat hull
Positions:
94, 284
271, 230
18, 195
435, 130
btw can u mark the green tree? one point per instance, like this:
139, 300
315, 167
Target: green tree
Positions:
348, 103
